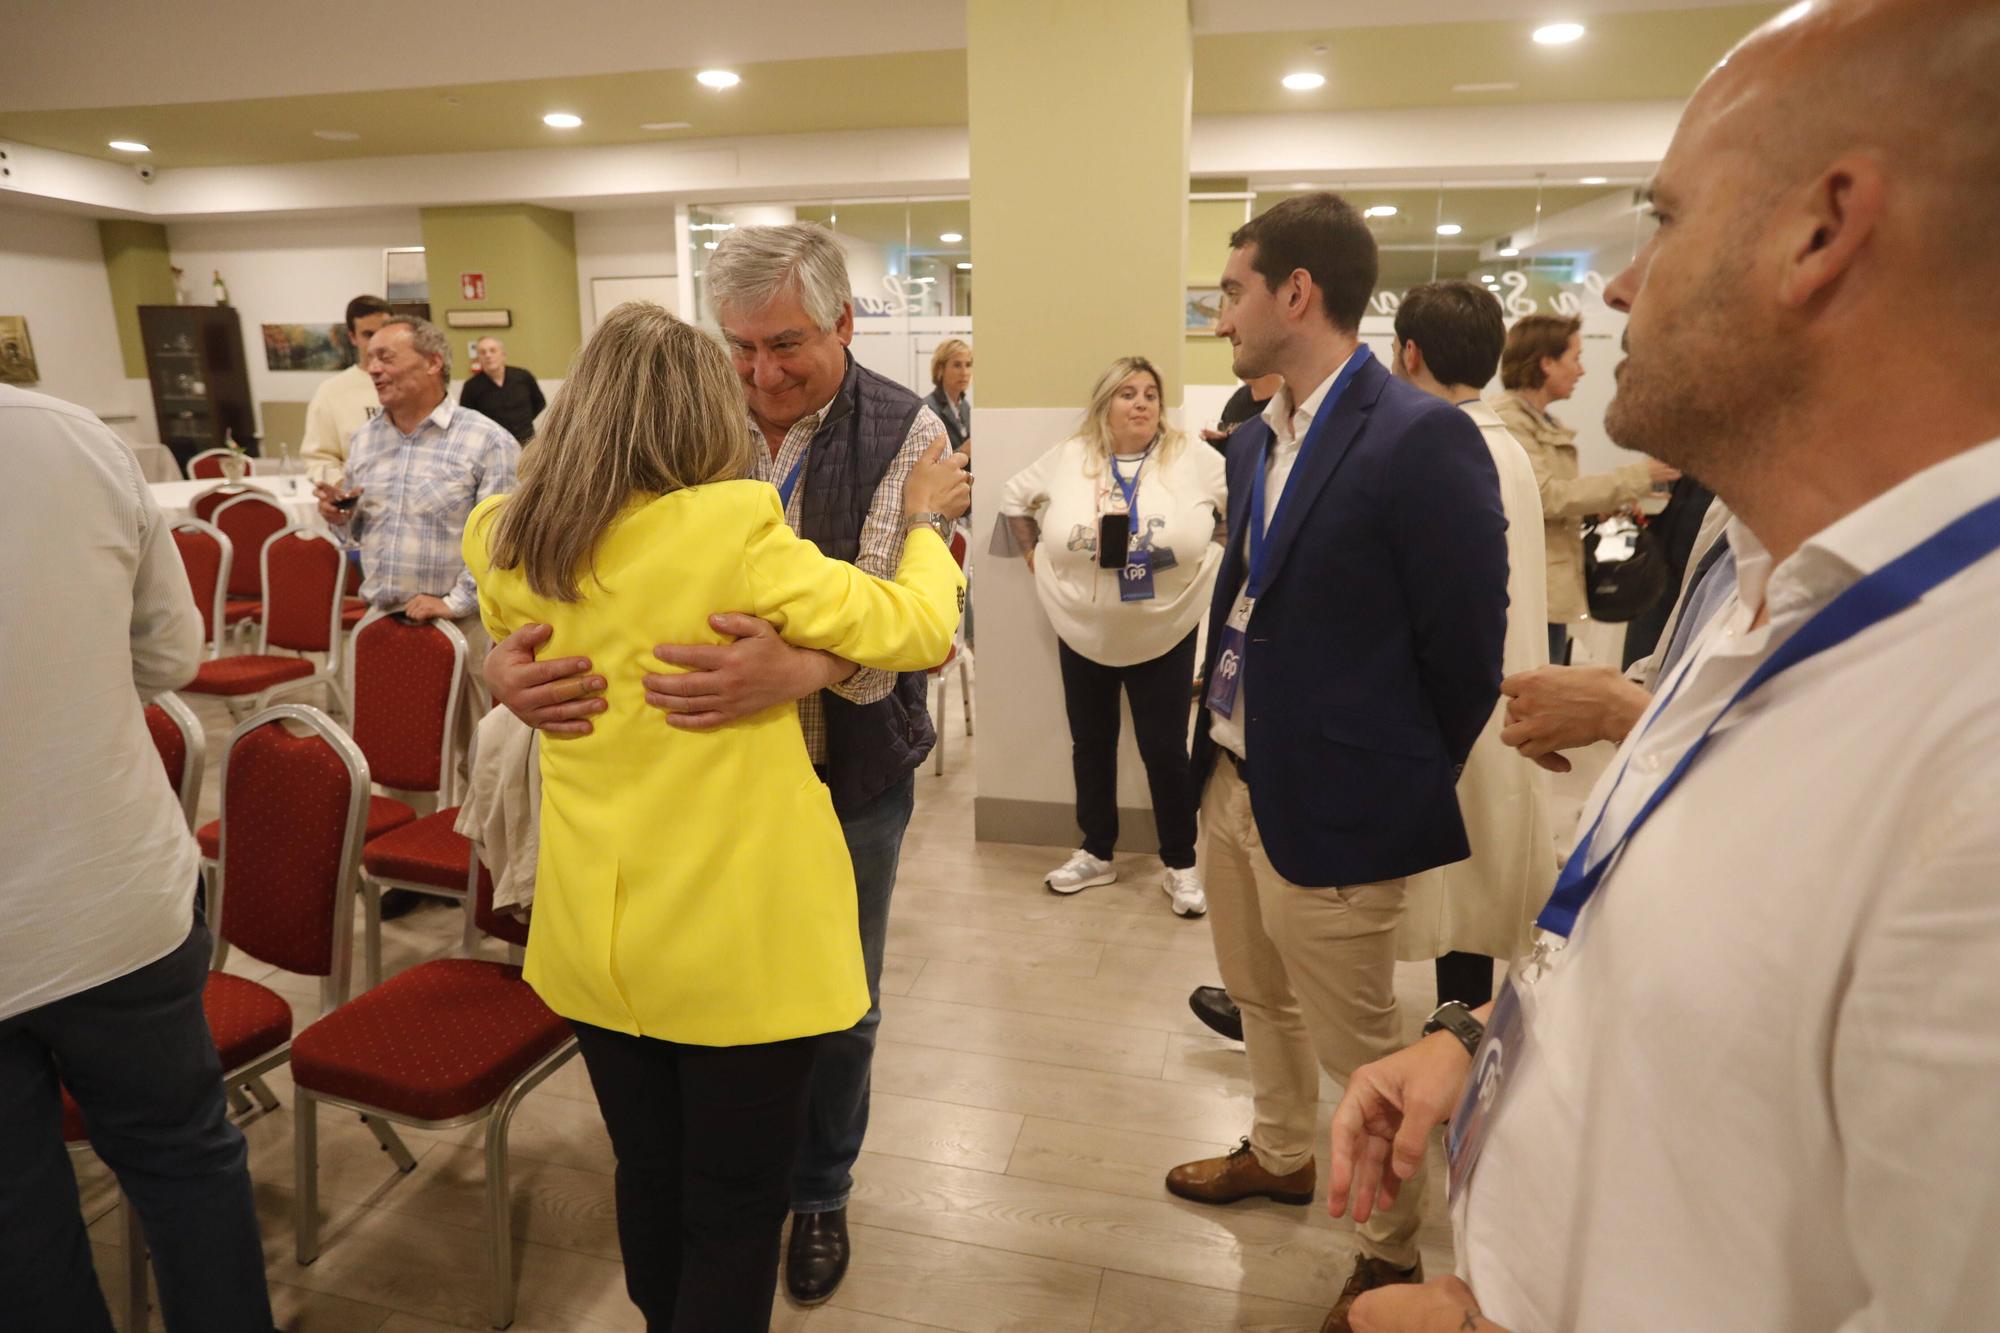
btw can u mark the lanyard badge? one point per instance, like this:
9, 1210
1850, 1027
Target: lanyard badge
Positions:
1228, 672
1135, 574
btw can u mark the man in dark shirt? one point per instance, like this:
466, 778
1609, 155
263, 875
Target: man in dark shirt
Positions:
1247, 402
506, 394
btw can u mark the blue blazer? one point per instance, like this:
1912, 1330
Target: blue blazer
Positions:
1373, 656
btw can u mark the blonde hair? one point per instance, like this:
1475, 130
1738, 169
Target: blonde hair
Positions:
1096, 427
650, 406
941, 358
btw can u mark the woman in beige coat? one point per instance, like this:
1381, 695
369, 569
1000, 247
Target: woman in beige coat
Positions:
1541, 364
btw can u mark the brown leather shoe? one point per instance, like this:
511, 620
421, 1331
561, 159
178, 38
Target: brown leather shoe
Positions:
1239, 1176
1368, 1274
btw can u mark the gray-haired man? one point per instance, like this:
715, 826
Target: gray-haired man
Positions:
839, 440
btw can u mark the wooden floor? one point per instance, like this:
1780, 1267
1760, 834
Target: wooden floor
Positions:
1038, 1072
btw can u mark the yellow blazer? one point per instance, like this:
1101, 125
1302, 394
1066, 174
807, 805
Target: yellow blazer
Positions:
695, 887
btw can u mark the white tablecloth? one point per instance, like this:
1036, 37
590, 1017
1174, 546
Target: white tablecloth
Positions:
294, 493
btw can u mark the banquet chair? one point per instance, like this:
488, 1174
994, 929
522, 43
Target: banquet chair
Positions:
450, 1042
939, 674
205, 503
207, 464
300, 573
178, 736
405, 679
249, 520
207, 555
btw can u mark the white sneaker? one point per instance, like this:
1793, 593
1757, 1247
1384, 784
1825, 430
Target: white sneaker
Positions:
1184, 887
1081, 871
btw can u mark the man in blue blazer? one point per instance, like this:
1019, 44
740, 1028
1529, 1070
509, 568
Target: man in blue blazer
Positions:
1353, 656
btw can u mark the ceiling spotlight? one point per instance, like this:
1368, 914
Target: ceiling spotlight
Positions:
1558, 34
950, 237
1379, 211
666, 125
1486, 277
709, 245
129, 146
1449, 229
718, 78
964, 267
336, 136
1593, 180
561, 120
1510, 252
1304, 81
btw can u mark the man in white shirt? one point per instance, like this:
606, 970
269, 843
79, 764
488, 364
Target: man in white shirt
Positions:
103, 955
346, 402
1748, 1079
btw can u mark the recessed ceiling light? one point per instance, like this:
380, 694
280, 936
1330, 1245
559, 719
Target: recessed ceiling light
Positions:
1449, 229
1484, 87
718, 78
1379, 211
336, 136
1558, 34
710, 245
1510, 252
129, 146
1304, 81
667, 125
1486, 277
950, 237
964, 268
561, 120
1593, 180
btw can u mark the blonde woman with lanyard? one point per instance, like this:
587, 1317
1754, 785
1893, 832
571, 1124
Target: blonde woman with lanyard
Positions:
1122, 525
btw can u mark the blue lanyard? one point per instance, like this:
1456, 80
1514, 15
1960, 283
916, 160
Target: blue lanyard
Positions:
791, 481
1131, 492
1889, 591
1258, 550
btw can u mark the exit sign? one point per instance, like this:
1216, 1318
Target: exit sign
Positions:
472, 286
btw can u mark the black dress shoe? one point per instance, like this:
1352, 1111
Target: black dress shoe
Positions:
400, 903
1212, 1005
816, 1258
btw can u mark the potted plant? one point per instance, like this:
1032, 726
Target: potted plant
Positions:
236, 463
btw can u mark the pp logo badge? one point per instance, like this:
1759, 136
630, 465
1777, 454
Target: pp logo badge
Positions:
1226, 665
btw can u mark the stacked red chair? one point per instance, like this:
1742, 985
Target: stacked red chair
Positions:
301, 569
207, 556
449, 1042
249, 519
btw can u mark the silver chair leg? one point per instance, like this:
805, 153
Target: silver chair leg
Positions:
239, 1105
135, 1270
371, 931
392, 1143
211, 888
305, 1175
499, 1216
266, 1099
965, 689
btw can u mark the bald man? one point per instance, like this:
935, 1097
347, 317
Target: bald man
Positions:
1748, 1079
507, 394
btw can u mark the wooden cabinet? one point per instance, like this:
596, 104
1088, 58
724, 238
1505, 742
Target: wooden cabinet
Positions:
201, 383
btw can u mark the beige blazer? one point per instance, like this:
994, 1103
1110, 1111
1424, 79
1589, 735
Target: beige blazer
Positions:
1487, 904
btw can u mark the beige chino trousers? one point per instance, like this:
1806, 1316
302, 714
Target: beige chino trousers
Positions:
1313, 971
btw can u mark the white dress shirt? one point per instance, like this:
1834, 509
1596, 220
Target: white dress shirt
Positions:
1289, 425
97, 867
1765, 1073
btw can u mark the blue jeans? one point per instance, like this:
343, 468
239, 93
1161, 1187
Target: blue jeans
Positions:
136, 1054
837, 1109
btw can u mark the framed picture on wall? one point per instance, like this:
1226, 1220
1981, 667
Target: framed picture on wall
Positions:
17, 353
1204, 308
403, 276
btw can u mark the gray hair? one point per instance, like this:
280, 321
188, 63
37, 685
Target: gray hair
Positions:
752, 266
425, 337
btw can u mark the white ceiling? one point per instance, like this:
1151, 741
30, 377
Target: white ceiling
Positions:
60, 54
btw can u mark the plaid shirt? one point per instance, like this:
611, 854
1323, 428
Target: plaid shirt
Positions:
418, 490
881, 541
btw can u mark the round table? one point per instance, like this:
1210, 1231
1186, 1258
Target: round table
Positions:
294, 493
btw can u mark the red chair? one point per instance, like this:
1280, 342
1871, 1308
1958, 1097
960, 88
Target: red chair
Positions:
208, 463
178, 736
447, 1043
204, 505
406, 678
249, 520
207, 556
301, 570
960, 654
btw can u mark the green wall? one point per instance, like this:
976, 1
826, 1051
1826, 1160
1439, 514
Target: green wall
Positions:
141, 273
528, 255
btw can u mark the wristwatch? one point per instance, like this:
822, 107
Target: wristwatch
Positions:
931, 519
1455, 1018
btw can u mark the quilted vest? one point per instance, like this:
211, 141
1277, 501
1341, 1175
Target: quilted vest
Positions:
869, 747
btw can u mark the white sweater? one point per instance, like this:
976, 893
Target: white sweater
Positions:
1178, 502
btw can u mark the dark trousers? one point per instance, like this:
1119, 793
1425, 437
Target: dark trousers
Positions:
837, 1110
137, 1056
1161, 695
1465, 977
704, 1137
1558, 645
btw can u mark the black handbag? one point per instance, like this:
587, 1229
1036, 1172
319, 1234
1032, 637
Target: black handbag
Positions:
1622, 584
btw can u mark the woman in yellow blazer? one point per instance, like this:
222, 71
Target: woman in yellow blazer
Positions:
694, 903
